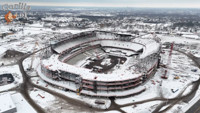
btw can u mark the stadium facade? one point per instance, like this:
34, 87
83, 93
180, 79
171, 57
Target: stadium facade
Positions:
101, 64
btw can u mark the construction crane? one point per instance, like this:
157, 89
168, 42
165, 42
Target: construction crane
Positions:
168, 62
33, 56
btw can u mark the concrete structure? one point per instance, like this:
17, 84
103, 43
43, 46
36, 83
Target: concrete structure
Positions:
142, 55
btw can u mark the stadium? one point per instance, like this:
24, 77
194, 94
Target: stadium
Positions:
101, 64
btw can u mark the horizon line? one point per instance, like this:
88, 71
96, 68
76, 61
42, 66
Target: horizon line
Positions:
106, 5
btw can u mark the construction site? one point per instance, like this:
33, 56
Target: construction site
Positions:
100, 61
102, 64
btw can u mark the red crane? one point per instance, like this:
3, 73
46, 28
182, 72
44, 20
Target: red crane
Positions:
168, 62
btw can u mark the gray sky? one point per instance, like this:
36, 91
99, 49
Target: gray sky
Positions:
112, 3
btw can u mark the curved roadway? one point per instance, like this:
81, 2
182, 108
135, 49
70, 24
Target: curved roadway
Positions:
27, 84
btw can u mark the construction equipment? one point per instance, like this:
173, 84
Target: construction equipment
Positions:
176, 77
78, 91
168, 62
41, 96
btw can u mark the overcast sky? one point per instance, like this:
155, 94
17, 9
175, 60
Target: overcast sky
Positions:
112, 3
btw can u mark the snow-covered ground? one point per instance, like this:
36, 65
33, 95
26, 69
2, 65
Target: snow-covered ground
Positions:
18, 100
90, 101
22, 105
176, 39
2, 51
14, 70
181, 66
24, 40
42, 98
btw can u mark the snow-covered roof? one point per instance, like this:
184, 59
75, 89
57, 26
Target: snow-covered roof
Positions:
6, 103
149, 49
150, 46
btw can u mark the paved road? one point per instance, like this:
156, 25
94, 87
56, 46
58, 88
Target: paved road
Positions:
25, 85
196, 107
77, 105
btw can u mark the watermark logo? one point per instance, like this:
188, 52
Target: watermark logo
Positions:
20, 9
9, 17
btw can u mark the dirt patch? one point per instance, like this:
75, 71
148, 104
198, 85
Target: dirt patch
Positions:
94, 64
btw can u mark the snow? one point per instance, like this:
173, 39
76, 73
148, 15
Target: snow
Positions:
72, 86
121, 44
106, 62
141, 108
14, 70
150, 46
6, 103
191, 36
128, 45
70, 44
73, 31
22, 105
184, 33
2, 51
155, 90
85, 99
150, 49
35, 63
54, 64
37, 95
197, 55
120, 52
24, 40
178, 40
180, 66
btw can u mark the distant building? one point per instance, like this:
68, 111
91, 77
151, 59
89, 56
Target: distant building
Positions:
7, 105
